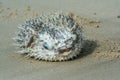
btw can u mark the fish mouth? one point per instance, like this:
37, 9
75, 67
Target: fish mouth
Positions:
65, 52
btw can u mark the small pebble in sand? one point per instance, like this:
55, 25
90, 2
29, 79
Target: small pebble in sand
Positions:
118, 16
118, 50
28, 8
1, 10
97, 26
8, 8
94, 13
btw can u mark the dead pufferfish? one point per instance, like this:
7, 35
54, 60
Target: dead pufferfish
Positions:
50, 37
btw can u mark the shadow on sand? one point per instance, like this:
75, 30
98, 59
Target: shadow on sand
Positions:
88, 48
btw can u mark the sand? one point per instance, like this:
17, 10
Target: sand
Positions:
101, 53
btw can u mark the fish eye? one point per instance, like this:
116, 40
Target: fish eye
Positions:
45, 45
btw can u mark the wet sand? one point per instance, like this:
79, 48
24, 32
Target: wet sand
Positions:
101, 53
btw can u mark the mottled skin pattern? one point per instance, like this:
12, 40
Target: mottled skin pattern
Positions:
50, 37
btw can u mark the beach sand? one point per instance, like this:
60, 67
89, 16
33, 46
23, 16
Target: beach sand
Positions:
101, 53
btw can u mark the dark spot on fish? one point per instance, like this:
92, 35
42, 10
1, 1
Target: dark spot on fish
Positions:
30, 41
64, 50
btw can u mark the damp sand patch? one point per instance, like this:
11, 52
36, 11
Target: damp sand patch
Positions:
107, 49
